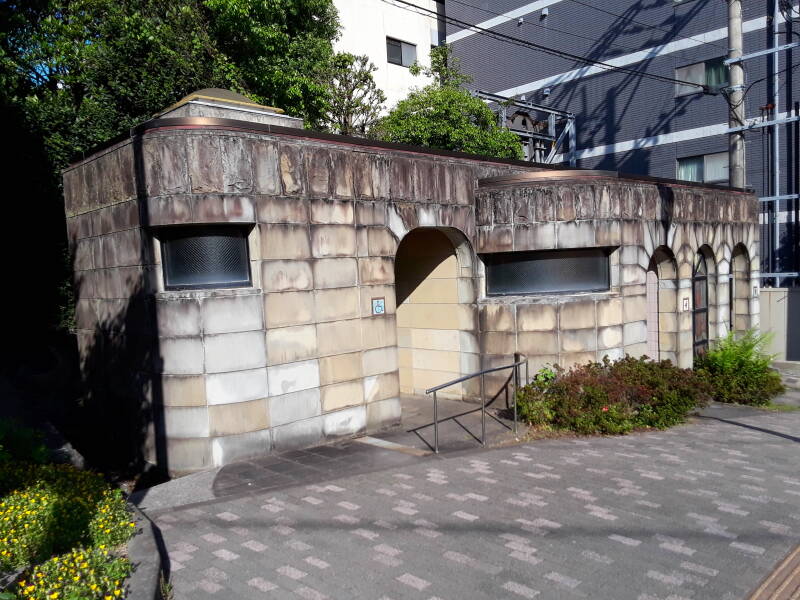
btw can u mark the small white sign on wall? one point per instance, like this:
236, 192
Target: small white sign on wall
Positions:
685, 304
378, 306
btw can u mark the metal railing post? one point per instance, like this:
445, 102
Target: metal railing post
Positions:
435, 424
527, 373
483, 409
515, 375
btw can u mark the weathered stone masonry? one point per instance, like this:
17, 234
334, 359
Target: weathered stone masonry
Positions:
299, 357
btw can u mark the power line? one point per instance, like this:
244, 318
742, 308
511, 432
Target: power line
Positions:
647, 25
545, 27
539, 47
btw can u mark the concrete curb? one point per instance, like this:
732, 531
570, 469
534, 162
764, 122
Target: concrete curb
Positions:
148, 556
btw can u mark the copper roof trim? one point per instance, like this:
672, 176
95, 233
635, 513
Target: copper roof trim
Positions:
543, 176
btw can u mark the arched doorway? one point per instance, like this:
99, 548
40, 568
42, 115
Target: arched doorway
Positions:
435, 310
740, 290
662, 306
701, 301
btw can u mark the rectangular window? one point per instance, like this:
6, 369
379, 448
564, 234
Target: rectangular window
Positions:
547, 271
712, 73
707, 168
205, 257
400, 53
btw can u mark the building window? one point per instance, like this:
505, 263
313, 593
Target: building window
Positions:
400, 53
712, 73
706, 168
547, 271
205, 257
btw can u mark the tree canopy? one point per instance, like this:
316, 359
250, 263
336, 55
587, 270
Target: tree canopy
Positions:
76, 73
87, 70
354, 101
446, 116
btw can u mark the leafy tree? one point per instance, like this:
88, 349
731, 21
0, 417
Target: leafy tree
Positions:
354, 101
279, 47
76, 73
444, 115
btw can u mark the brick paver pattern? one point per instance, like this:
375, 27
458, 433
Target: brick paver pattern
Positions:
704, 510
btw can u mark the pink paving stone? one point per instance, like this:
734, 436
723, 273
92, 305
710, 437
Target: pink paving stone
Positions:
228, 516
213, 538
254, 545
519, 589
465, 515
225, 554
291, 572
384, 549
389, 561
413, 581
309, 593
262, 584
209, 586
316, 562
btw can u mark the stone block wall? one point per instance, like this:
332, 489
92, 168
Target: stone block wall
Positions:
298, 357
637, 220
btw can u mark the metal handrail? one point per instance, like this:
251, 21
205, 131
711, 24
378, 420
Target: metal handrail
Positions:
519, 360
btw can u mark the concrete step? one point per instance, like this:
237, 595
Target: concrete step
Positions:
791, 383
790, 398
787, 367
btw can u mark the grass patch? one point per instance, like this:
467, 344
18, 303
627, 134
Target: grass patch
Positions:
780, 407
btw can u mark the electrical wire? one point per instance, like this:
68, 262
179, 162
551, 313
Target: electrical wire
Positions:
545, 27
648, 26
404, 4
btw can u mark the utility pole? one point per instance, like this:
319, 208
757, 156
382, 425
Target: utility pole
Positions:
735, 95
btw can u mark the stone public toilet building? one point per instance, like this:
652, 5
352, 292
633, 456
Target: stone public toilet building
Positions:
246, 285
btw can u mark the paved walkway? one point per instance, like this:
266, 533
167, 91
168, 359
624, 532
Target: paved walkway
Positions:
704, 510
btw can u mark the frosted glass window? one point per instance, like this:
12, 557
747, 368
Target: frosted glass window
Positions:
691, 168
715, 168
547, 272
205, 257
712, 73
692, 73
707, 168
400, 53
716, 73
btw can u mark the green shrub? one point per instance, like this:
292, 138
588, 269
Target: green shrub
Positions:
21, 443
612, 397
739, 370
50, 509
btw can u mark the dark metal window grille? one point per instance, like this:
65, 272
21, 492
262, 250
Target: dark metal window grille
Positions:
700, 303
547, 271
205, 257
400, 53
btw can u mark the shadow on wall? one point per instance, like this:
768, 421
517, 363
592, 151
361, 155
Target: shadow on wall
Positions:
120, 417
121, 414
418, 256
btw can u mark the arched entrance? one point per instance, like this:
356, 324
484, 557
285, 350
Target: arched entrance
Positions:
702, 300
662, 306
435, 310
740, 289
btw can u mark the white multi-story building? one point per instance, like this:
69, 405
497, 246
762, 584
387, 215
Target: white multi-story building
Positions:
393, 37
